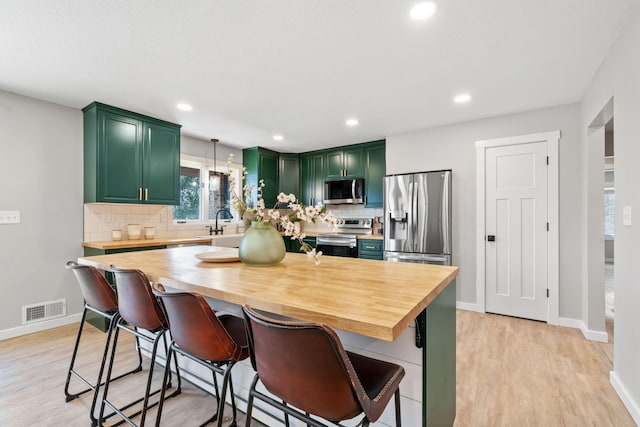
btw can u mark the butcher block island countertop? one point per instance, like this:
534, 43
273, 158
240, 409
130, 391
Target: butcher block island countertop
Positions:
372, 298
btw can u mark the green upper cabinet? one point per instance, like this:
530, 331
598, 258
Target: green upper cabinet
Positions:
334, 164
347, 162
160, 170
375, 169
289, 174
262, 164
312, 175
129, 158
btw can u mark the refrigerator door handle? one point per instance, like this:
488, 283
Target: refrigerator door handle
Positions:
411, 231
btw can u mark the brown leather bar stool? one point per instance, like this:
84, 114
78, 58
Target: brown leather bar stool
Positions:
139, 309
215, 342
99, 298
305, 365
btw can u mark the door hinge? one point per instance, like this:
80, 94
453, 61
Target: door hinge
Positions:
547, 226
547, 292
547, 159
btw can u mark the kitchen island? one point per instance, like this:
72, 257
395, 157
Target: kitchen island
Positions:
372, 304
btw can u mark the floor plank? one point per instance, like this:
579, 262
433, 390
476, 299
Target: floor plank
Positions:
511, 372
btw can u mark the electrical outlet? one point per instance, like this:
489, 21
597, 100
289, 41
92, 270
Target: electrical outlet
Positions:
9, 217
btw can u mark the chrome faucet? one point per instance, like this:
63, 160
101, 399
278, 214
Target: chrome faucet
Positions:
217, 230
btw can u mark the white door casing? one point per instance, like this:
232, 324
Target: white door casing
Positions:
517, 195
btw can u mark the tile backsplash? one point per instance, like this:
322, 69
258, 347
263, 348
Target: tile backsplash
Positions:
101, 218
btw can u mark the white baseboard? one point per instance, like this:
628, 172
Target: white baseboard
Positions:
627, 399
562, 321
469, 306
39, 326
589, 334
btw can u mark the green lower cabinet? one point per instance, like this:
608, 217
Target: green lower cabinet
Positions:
370, 249
93, 318
294, 245
438, 327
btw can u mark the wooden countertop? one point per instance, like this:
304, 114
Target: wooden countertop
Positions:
378, 299
370, 236
119, 244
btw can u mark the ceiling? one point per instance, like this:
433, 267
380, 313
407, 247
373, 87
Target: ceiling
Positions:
252, 69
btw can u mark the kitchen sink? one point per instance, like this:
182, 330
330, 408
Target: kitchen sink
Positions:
225, 240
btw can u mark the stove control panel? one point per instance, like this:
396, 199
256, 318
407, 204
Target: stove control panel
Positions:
353, 223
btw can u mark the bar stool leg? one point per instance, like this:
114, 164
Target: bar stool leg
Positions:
223, 393
397, 399
145, 402
69, 396
94, 400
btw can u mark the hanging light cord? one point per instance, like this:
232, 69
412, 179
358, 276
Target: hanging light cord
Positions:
215, 159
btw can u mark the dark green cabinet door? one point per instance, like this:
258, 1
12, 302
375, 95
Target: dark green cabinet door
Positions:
370, 249
262, 164
312, 178
289, 174
305, 179
344, 163
269, 173
129, 158
119, 161
353, 162
317, 179
333, 164
161, 164
375, 169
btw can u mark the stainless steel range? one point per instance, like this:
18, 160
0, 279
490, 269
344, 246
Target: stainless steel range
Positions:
344, 241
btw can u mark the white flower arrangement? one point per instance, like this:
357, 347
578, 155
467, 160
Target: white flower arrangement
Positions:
289, 222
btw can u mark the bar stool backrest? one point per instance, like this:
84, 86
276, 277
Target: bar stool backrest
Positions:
137, 304
195, 328
305, 365
96, 291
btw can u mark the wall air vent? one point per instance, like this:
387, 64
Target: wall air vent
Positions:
44, 311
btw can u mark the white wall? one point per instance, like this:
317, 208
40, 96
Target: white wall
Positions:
453, 147
41, 176
619, 77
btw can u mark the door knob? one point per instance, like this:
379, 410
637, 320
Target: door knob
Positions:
491, 238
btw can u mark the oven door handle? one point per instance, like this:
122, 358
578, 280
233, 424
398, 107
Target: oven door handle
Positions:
336, 242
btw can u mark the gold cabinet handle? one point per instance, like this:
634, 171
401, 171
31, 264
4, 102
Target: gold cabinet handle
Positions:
365, 200
369, 247
139, 193
146, 194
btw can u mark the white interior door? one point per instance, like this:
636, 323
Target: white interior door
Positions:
516, 225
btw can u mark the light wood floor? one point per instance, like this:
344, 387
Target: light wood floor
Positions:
510, 372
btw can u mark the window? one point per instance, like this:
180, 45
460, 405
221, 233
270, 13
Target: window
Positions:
203, 192
218, 194
609, 203
609, 212
189, 207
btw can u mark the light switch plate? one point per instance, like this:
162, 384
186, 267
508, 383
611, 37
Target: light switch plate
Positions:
626, 216
9, 217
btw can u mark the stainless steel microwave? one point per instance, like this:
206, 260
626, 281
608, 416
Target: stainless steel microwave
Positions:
346, 191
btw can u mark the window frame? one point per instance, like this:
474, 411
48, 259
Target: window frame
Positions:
205, 166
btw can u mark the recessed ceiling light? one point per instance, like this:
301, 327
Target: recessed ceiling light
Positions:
423, 10
352, 122
184, 107
278, 137
462, 98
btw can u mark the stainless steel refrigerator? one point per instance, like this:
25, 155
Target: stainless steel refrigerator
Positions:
417, 217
